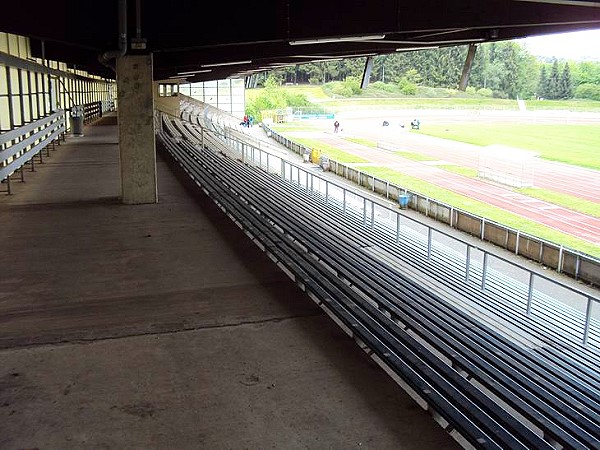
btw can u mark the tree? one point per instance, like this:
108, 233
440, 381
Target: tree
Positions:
542, 89
566, 85
554, 82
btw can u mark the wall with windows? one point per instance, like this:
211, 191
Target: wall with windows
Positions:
31, 88
228, 95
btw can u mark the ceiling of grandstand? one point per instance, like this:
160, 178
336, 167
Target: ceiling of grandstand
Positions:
203, 40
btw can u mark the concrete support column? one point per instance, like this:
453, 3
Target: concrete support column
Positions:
137, 145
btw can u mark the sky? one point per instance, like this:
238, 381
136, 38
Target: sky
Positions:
579, 46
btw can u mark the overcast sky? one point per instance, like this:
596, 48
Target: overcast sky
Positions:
582, 45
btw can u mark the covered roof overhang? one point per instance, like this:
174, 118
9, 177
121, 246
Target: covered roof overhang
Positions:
203, 42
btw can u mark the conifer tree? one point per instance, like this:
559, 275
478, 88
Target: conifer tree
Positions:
542, 87
554, 82
566, 85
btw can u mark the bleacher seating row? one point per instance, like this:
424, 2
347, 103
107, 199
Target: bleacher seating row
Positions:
548, 324
485, 389
20, 146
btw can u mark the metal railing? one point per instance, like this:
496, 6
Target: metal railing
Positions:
19, 146
578, 265
374, 212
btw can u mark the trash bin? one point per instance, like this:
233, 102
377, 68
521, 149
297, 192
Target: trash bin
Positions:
403, 200
324, 162
77, 120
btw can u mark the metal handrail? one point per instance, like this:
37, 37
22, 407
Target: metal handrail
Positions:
248, 155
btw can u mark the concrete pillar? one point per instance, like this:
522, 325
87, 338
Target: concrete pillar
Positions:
137, 145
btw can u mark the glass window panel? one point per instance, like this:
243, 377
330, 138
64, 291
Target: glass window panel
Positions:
3, 81
14, 81
24, 82
26, 109
13, 45
16, 104
23, 47
4, 42
4, 116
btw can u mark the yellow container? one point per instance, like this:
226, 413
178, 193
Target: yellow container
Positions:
315, 156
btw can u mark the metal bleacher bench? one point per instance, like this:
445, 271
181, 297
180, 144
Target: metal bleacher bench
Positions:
483, 388
19, 146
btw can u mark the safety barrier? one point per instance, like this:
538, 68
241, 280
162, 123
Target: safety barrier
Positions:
19, 146
573, 263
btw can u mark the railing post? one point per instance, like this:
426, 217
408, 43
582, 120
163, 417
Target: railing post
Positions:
397, 227
530, 292
560, 259
364, 211
344, 201
482, 228
372, 214
517, 242
588, 315
484, 270
429, 232
468, 263
326, 192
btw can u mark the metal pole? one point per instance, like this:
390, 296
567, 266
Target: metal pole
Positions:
468, 263
530, 293
372, 214
482, 228
429, 232
397, 227
484, 270
344, 201
588, 315
517, 242
364, 211
326, 192
560, 259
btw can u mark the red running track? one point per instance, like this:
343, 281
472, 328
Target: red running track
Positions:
563, 219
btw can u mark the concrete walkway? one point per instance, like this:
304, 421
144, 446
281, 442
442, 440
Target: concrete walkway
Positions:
162, 327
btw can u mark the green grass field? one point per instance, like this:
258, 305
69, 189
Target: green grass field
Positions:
572, 144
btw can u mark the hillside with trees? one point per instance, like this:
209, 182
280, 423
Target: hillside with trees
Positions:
500, 70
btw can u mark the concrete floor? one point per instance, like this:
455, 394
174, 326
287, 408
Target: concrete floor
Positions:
162, 327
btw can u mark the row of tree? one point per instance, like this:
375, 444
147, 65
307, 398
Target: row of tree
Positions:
555, 86
505, 68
